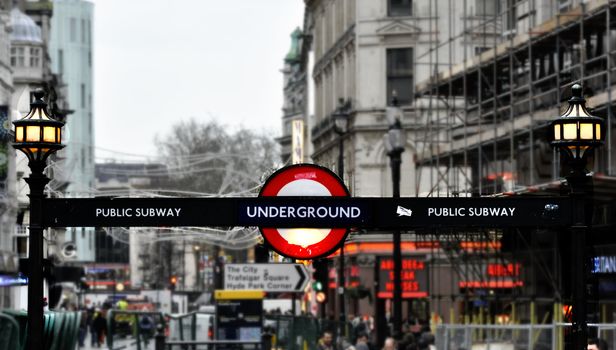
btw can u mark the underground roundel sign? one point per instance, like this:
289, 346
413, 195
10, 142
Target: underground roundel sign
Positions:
304, 180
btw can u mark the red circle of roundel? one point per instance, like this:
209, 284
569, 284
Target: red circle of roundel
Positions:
326, 178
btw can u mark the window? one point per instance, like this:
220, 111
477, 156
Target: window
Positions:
60, 61
480, 49
73, 30
511, 16
83, 31
18, 58
89, 29
20, 245
83, 161
35, 59
83, 95
399, 8
400, 74
486, 7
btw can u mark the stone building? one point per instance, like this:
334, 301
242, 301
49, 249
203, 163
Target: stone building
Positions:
296, 121
70, 50
30, 67
8, 203
365, 52
477, 81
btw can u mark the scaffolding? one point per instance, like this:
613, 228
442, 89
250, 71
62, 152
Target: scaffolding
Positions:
487, 115
494, 87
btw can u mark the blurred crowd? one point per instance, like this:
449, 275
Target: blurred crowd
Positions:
416, 336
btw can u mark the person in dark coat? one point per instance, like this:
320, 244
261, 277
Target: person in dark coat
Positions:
99, 325
83, 328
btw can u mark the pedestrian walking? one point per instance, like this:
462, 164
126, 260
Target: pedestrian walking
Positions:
390, 344
362, 342
146, 327
83, 328
100, 329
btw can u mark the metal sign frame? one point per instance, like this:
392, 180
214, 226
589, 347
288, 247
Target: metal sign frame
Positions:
310, 212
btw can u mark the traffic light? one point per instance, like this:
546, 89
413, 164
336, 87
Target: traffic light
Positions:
320, 275
173, 280
321, 297
317, 286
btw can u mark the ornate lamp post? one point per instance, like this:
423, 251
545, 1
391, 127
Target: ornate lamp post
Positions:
38, 135
577, 133
394, 142
341, 125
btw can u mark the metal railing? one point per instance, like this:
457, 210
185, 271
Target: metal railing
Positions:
126, 329
515, 337
214, 345
60, 330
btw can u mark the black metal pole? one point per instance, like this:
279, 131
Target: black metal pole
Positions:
218, 269
113, 292
396, 160
293, 298
581, 186
197, 268
341, 281
36, 181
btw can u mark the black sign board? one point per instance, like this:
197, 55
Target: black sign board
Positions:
318, 212
414, 277
239, 319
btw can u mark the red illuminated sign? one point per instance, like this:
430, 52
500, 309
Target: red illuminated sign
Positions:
305, 180
351, 276
504, 270
496, 276
414, 277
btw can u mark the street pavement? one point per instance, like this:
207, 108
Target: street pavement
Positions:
118, 344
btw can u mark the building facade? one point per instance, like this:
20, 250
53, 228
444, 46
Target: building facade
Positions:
8, 202
365, 53
478, 81
70, 49
29, 64
297, 116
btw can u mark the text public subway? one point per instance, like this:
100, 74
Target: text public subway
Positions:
334, 212
483, 211
137, 212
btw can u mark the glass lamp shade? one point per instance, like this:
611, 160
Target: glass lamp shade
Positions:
393, 114
394, 140
576, 132
341, 122
37, 134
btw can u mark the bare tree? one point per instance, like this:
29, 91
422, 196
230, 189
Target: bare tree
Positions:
206, 159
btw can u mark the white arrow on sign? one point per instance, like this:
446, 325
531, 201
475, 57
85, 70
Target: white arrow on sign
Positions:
266, 277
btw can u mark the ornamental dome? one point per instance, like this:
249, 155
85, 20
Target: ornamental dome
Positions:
24, 28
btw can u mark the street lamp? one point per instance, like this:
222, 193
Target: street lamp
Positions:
341, 125
577, 134
394, 142
38, 135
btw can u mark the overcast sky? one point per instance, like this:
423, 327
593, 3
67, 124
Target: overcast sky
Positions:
160, 61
